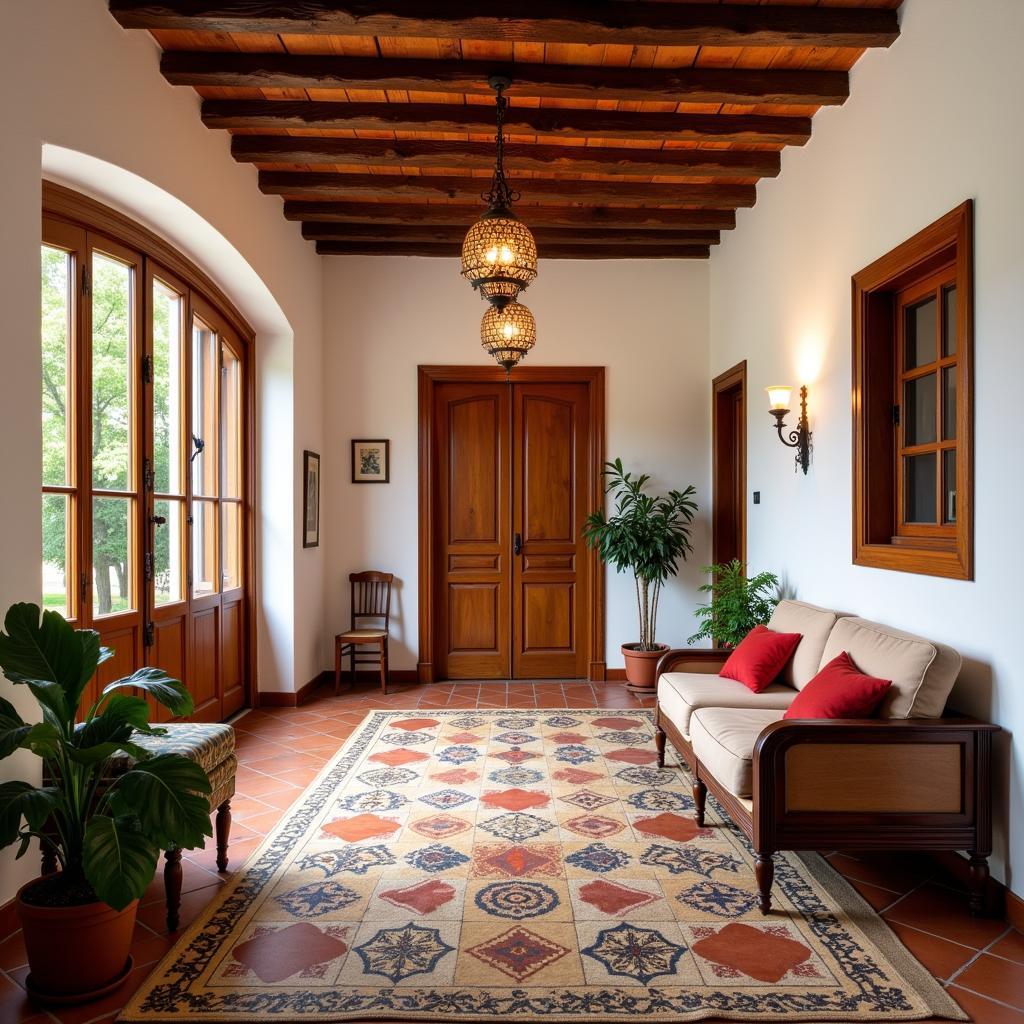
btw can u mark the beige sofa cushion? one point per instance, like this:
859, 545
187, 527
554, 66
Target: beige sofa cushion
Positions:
922, 671
814, 624
681, 693
723, 743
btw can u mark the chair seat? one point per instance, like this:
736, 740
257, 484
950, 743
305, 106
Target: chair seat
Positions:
680, 694
362, 634
723, 742
209, 744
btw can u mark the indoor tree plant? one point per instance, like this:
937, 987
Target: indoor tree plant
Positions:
105, 827
647, 535
737, 604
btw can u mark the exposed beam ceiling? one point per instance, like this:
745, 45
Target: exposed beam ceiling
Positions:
555, 252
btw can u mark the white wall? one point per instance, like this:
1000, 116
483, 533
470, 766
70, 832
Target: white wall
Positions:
645, 321
77, 81
932, 121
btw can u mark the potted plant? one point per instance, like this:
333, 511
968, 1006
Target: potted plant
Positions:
646, 535
105, 827
737, 604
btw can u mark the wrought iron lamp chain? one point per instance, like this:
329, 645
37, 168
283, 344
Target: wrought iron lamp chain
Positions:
500, 196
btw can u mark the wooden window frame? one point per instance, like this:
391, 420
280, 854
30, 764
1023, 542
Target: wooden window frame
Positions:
880, 539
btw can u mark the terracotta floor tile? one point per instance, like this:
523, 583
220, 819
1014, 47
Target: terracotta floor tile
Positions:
944, 913
1010, 946
879, 874
154, 915
103, 1007
878, 898
15, 1007
999, 979
942, 957
984, 1011
12, 952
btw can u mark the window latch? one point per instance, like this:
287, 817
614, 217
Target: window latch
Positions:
896, 415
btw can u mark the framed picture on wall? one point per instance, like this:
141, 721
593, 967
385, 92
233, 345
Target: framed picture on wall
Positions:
371, 462
310, 500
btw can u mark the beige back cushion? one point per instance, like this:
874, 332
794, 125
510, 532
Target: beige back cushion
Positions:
922, 671
814, 624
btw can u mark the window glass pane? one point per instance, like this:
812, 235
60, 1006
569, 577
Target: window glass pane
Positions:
921, 329
949, 485
204, 548
949, 327
168, 553
111, 555
111, 373
232, 513
205, 369
167, 379
949, 403
56, 345
919, 399
56, 553
920, 488
231, 399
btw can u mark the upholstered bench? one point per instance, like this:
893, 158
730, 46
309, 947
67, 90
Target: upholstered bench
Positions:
213, 747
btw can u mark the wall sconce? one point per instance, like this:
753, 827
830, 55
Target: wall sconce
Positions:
800, 439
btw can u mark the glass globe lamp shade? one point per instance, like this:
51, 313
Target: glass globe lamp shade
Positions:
499, 256
778, 397
508, 333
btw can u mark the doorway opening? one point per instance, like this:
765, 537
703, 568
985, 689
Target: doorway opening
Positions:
729, 465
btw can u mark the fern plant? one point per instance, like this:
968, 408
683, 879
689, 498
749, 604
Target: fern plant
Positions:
646, 535
737, 604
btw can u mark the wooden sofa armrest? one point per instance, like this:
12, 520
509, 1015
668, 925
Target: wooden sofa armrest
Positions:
692, 659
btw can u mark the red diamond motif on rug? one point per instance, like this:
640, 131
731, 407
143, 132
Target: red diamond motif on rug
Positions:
568, 737
465, 737
515, 799
456, 776
424, 898
544, 859
516, 756
415, 724
577, 776
594, 825
612, 898
395, 758
518, 952
635, 755
440, 826
279, 954
670, 826
362, 826
617, 724
753, 952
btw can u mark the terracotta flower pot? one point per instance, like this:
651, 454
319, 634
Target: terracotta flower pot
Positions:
642, 666
75, 953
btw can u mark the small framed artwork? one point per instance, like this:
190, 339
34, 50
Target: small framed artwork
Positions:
371, 462
310, 500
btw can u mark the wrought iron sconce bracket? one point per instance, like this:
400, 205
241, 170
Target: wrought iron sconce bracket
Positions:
800, 438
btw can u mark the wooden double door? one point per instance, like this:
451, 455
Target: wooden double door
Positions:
513, 479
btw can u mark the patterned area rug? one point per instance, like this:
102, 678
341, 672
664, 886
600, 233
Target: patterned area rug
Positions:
530, 864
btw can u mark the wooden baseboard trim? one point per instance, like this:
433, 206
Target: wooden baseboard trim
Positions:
295, 699
615, 675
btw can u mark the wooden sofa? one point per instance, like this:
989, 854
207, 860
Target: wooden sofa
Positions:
909, 779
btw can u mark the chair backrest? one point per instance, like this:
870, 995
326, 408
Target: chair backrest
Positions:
371, 596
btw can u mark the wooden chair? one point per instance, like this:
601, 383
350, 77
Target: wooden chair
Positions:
371, 599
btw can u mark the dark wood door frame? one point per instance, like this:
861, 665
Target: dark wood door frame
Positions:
427, 379
722, 387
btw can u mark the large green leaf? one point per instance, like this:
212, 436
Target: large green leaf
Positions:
13, 728
171, 693
101, 751
119, 859
121, 716
21, 801
168, 793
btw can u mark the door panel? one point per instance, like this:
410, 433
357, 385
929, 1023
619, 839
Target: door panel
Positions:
550, 629
473, 537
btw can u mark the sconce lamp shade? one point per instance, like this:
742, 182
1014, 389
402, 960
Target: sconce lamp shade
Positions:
508, 333
499, 256
778, 397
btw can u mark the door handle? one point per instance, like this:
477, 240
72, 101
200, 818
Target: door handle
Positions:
158, 520
517, 545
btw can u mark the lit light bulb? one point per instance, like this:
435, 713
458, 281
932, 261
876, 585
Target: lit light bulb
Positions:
491, 255
507, 255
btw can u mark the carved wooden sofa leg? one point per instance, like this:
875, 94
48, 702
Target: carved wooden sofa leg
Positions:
978, 884
764, 872
700, 799
172, 887
659, 742
223, 830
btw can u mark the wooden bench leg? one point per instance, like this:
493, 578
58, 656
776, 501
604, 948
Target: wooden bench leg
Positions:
172, 887
337, 668
700, 799
384, 666
764, 872
660, 737
223, 831
978, 884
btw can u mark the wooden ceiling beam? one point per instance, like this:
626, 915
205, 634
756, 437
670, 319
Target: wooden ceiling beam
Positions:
573, 217
479, 117
327, 231
637, 22
675, 85
423, 186
684, 163
556, 252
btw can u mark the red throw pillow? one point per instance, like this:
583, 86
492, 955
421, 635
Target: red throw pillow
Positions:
759, 657
839, 690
